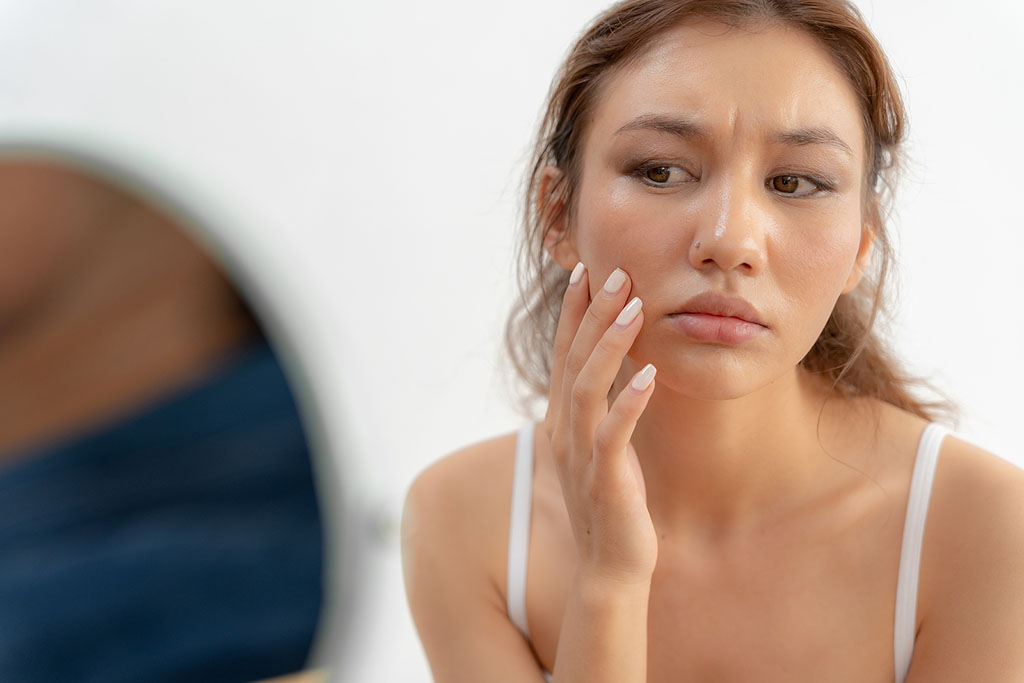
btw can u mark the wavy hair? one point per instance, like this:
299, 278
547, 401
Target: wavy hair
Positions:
850, 352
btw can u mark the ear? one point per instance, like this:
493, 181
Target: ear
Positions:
554, 217
867, 240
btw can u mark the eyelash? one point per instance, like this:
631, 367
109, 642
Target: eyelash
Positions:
821, 184
640, 172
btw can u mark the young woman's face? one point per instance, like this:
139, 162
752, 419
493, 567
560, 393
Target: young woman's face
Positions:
750, 143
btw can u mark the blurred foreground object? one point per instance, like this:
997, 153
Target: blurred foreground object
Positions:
158, 515
314, 676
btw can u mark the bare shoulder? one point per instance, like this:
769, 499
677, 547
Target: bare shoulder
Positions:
454, 551
459, 497
488, 459
459, 503
977, 503
972, 569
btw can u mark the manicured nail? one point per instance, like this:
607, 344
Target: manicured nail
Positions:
577, 273
615, 281
628, 313
643, 378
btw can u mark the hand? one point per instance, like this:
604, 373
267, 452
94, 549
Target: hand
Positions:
597, 466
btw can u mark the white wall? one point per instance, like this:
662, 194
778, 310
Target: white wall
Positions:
362, 159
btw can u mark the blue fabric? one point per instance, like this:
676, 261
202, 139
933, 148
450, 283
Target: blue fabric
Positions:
183, 543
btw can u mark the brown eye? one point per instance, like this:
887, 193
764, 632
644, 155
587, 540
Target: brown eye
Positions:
659, 174
799, 186
786, 183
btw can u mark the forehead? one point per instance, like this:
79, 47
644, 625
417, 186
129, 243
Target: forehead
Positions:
735, 82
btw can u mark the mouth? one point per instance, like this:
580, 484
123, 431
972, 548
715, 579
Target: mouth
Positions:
722, 306
718, 319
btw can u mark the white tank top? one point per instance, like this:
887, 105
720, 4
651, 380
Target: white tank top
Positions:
910, 550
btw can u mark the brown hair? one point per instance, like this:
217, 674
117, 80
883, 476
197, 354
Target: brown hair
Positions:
850, 351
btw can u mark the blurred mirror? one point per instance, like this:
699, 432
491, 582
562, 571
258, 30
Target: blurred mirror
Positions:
158, 514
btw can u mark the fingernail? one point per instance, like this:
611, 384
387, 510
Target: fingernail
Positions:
615, 281
577, 273
628, 313
643, 378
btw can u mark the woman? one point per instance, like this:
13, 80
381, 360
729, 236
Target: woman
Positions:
707, 204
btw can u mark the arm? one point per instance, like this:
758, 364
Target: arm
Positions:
459, 612
448, 526
604, 631
974, 627
604, 628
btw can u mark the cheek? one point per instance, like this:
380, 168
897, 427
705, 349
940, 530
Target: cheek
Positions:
812, 265
617, 227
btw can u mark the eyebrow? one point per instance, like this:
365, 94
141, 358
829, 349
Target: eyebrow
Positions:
689, 130
817, 135
680, 127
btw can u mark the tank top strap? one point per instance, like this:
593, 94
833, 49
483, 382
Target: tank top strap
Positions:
519, 529
904, 630
910, 552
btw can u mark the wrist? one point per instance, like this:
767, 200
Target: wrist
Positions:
603, 583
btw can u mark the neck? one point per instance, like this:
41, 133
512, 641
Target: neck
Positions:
718, 469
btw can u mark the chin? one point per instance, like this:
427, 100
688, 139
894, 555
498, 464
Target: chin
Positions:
700, 387
712, 372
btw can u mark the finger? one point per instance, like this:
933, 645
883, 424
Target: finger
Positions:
600, 314
574, 306
589, 403
614, 432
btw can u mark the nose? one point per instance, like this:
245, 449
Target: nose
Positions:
731, 229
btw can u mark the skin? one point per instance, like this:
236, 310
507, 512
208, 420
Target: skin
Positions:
733, 520
105, 305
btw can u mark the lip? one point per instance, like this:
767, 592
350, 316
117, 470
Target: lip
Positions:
713, 303
718, 319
